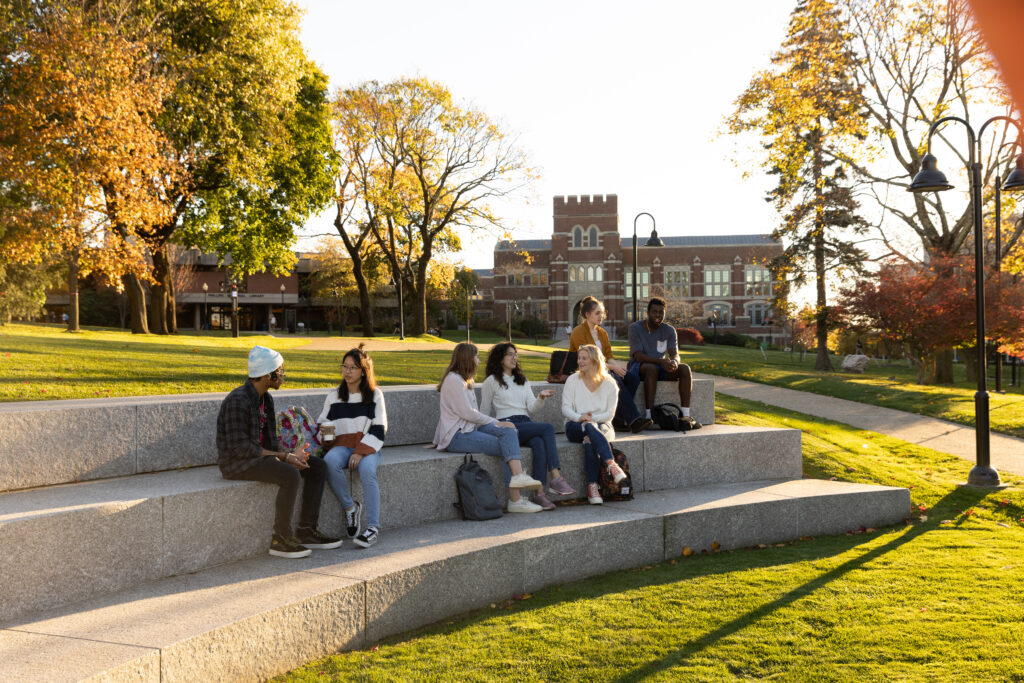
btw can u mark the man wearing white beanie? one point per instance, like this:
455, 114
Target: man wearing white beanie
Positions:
247, 448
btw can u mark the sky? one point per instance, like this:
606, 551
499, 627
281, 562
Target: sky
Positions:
605, 97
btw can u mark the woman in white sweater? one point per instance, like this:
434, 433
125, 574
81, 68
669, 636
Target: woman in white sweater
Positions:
464, 429
507, 391
588, 403
356, 411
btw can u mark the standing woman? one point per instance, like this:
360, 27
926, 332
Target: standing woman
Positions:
590, 332
508, 391
356, 411
464, 429
588, 403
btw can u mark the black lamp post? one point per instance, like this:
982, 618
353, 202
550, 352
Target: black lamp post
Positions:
206, 291
397, 283
509, 305
469, 294
282, 325
1014, 182
931, 179
653, 241
234, 309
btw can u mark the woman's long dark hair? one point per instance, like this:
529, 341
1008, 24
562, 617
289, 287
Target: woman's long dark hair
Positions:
367, 383
495, 370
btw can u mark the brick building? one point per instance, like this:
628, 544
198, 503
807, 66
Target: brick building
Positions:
721, 276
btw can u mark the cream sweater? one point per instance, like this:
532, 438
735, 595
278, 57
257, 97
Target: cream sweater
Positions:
577, 400
509, 400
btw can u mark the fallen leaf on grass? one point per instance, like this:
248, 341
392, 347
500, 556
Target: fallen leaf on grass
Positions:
687, 551
1004, 503
715, 545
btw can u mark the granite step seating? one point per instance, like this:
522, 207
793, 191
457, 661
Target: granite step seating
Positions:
126, 551
169, 522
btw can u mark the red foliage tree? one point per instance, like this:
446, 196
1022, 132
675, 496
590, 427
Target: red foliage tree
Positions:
927, 307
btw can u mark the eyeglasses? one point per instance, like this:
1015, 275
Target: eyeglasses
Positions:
512, 354
349, 367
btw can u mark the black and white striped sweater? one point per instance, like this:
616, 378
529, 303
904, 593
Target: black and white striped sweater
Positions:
355, 416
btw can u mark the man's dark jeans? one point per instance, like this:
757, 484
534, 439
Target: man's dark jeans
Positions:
288, 478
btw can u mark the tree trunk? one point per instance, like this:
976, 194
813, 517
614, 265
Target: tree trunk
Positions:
136, 304
943, 367
73, 292
419, 322
823, 362
162, 293
365, 310
970, 355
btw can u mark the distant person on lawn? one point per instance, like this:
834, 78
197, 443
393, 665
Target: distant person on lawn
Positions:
654, 355
248, 449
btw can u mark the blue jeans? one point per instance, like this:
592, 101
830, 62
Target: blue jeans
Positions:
595, 452
337, 465
625, 409
539, 436
501, 442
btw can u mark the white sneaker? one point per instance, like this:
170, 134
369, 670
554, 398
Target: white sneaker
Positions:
524, 481
523, 505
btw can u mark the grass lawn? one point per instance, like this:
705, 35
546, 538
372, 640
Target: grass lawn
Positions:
888, 386
937, 599
40, 362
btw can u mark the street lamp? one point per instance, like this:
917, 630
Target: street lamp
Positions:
282, 305
509, 305
653, 241
931, 179
1014, 182
397, 283
234, 309
206, 314
474, 295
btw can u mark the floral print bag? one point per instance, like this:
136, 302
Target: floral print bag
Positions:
295, 426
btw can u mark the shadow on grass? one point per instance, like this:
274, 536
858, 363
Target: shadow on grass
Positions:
962, 496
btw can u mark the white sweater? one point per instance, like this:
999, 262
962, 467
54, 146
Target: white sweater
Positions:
511, 399
353, 416
577, 399
458, 411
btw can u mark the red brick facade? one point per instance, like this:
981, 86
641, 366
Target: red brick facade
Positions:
586, 255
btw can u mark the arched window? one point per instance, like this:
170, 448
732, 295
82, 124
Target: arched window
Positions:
758, 313
572, 274
721, 313
590, 273
577, 236
581, 274
593, 235
600, 274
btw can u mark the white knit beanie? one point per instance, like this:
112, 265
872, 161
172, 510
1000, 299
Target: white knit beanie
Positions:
263, 361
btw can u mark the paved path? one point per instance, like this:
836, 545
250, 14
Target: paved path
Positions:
1007, 452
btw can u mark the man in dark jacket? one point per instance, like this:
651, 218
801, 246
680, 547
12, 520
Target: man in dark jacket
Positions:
248, 449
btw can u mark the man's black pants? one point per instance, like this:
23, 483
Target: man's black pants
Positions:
288, 479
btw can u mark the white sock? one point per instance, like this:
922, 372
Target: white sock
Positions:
648, 414
686, 412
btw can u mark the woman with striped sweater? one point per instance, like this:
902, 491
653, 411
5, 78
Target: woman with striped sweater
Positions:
356, 411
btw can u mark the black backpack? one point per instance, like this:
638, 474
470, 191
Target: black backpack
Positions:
476, 491
669, 416
609, 489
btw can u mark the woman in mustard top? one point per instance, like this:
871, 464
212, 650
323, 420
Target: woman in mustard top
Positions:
590, 332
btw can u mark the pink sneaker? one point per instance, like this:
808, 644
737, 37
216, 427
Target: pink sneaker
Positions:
540, 499
615, 471
560, 487
594, 494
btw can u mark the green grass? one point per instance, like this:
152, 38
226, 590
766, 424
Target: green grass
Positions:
888, 386
937, 599
41, 362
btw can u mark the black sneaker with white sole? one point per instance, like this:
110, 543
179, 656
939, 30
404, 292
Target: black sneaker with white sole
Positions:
312, 538
352, 519
287, 547
367, 538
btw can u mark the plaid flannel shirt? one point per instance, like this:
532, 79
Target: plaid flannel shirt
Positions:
239, 440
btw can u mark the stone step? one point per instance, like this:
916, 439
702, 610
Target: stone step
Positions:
167, 523
58, 442
256, 618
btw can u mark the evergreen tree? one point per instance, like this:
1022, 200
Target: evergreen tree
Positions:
806, 107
